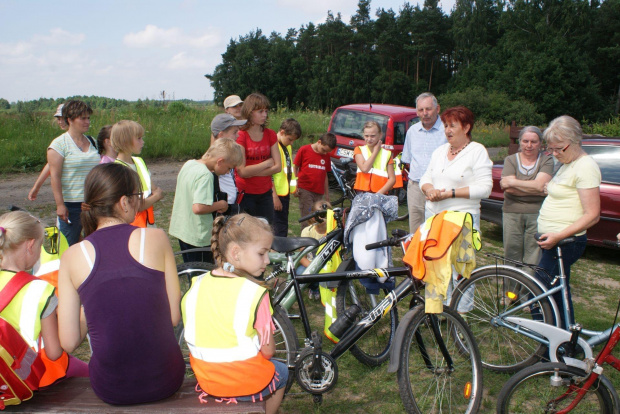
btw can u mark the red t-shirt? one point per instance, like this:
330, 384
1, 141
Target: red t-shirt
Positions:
255, 153
313, 168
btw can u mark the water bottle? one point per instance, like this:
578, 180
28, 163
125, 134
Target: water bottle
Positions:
344, 321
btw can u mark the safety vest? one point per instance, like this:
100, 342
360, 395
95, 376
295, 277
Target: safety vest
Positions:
218, 316
146, 216
328, 295
398, 172
376, 178
48, 264
24, 314
285, 181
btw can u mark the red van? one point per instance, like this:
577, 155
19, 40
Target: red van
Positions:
347, 123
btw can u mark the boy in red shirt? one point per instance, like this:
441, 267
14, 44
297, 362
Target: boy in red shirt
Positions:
311, 165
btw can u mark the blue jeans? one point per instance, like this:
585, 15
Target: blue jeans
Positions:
549, 261
72, 231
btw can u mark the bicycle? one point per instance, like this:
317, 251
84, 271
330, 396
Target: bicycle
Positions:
442, 369
505, 300
559, 388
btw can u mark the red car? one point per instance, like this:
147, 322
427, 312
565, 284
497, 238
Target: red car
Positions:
606, 152
347, 123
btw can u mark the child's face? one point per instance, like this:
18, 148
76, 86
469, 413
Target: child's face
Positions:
323, 148
230, 133
259, 116
286, 139
235, 111
255, 256
222, 166
372, 136
137, 144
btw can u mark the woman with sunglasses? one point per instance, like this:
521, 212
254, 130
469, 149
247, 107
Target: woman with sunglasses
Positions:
572, 204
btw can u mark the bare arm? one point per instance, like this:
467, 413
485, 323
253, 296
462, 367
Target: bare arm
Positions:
45, 172
277, 162
49, 333
70, 329
390, 182
198, 208
326, 188
55, 162
247, 171
269, 349
172, 279
526, 187
366, 165
591, 204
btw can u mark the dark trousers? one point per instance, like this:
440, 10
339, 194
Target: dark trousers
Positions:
549, 261
194, 256
280, 218
73, 230
259, 205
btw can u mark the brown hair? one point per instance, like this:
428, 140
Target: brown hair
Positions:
123, 133
290, 126
104, 133
15, 228
253, 102
328, 139
104, 186
75, 109
242, 229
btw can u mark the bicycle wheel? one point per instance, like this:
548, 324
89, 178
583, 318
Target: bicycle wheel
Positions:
427, 383
286, 342
187, 271
489, 292
531, 391
372, 349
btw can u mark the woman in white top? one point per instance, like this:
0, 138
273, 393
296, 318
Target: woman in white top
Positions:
458, 176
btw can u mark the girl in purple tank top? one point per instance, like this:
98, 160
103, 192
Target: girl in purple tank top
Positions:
126, 280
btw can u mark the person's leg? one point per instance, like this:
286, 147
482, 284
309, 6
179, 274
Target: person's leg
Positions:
531, 250
72, 230
264, 206
248, 204
416, 201
513, 229
272, 399
194, 256
305, 205
280, 218
570, 254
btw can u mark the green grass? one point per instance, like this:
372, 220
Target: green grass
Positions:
595, 283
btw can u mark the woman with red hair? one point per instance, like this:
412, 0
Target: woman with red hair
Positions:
458, 176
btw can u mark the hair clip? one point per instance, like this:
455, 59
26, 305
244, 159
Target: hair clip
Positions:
228, 267
240, 221
2, 231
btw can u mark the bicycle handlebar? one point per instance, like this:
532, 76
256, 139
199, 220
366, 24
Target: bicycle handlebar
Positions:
398, 236
612, 243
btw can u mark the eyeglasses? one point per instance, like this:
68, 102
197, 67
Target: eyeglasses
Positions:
557, 150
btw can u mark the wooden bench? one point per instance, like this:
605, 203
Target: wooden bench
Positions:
75, 395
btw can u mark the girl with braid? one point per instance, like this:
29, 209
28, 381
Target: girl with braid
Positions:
227, 317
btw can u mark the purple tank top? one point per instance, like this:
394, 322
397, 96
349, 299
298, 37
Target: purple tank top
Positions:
136, 358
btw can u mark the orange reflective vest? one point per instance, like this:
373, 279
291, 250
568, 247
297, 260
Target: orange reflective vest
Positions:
376, 178
143, 217
218, 316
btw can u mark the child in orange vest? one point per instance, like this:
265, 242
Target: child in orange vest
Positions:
375, 166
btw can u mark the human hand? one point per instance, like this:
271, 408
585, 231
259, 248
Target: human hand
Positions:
545, 189
548, 240
32, 195
436, 195
158, 193
507, 182
62, 212
277, 204
221, 206
376, 148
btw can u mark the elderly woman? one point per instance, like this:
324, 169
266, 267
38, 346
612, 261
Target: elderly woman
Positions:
573, 202
71, 156
524, 177
458, 176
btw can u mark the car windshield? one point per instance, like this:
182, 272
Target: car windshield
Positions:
350, 123
607, 157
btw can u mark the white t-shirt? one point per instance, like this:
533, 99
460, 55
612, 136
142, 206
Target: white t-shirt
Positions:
227, 185
562, 207
470, 168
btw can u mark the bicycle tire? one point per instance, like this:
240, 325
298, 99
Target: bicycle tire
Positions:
372, 349
287, 343
429, 385
501, 349
530, 391
186, 272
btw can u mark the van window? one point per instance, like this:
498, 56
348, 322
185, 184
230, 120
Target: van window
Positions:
350, 123
607, 157
400, 130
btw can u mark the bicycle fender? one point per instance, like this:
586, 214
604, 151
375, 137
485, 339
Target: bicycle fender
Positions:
554, 335
614, 395
399, 338
541, 285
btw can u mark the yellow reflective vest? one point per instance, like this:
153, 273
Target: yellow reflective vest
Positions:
219, 315
285, 180
376, 178
146, 216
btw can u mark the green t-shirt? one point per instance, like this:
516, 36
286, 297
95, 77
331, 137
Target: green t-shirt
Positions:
194, 186
513, 166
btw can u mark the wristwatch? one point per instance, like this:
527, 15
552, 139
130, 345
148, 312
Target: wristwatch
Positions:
453, 193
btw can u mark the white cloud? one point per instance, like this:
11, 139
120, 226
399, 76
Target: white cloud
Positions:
184, 61
59, 37
153, 36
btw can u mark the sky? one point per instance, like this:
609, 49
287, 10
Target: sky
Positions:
135, 49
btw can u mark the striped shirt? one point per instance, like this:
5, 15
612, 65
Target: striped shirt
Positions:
76, 166
419, 146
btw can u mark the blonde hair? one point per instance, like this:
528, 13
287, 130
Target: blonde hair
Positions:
17, 227
228, 150
370, 124
564, 128
123, 133
242, 229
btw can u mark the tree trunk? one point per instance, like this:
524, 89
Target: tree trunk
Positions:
430, 78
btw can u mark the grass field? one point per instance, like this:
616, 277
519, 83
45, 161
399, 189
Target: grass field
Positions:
595, 285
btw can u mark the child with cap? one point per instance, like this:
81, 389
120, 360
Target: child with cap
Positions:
232, 106
226, 126
191, 220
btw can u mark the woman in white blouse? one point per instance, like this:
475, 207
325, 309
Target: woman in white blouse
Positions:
458, 177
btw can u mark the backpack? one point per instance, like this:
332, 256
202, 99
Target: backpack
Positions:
20, 366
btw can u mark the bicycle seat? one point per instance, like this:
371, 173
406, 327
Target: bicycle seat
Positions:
289, 244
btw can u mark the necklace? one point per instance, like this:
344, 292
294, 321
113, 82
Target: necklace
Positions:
452, 152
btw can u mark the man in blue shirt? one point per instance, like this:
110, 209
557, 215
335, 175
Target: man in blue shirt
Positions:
421, 140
